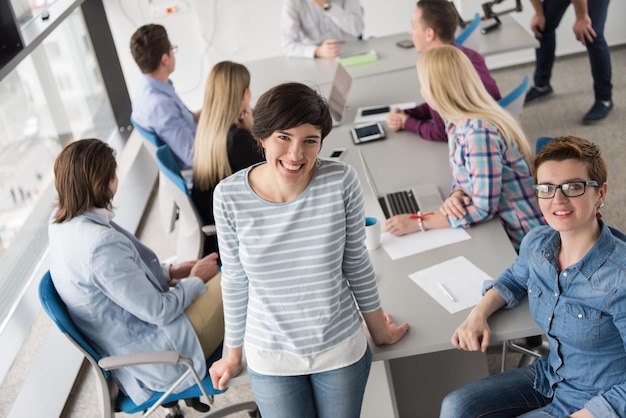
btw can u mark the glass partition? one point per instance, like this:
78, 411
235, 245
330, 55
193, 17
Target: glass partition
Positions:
54, 95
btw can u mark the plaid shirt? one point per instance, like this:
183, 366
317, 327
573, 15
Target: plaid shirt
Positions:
495, 176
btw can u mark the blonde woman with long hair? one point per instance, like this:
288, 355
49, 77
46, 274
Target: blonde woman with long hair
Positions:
223, 144
489, 153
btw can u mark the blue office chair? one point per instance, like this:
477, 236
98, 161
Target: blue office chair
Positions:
111, 398
153, 141
542, 141
173, 190
514, 101
469, 37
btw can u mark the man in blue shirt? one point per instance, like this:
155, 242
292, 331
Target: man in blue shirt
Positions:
156, 106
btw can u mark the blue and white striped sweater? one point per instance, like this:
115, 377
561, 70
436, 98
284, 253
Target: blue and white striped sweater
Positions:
290, 270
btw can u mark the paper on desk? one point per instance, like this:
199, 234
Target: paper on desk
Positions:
460, 278
359, 118
406, 245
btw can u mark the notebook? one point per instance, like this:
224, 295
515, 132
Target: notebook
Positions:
424, 197
339, 91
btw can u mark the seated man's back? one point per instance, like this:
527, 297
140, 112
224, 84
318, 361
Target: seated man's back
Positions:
156, 106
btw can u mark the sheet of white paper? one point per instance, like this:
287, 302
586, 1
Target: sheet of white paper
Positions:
459, 277
359, 118
406, 245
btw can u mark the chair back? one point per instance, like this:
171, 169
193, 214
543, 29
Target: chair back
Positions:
514, 101
56, 309
173, 187
470, 37
542, 141
153, 141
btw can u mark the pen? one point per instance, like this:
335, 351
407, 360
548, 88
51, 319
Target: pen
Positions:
445, 292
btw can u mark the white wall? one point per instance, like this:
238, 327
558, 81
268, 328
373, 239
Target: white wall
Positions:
209, 31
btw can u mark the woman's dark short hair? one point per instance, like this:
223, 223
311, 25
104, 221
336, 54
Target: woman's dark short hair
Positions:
572, 147
148, 44
287, 106
83, 172
441, 16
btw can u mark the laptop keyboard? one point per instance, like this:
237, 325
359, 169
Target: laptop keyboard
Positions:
402, 202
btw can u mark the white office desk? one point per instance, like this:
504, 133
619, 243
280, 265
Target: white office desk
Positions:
268, 72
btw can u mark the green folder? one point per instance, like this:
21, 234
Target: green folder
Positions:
359, 59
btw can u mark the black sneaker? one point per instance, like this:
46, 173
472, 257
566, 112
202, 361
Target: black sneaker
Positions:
537, 92
597, 112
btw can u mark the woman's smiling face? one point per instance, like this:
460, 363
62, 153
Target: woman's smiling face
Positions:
291, 153
569, 214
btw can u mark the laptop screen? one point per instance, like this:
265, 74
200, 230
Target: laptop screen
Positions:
339, 92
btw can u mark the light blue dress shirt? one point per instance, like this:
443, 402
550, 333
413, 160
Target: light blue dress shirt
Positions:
158, 109
117, 295
582, 311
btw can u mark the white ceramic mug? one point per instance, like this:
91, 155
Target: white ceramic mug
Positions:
372, 233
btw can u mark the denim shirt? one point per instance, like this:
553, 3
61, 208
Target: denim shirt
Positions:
582, 311
116, 294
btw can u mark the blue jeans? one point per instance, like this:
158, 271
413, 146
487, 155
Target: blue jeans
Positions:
336, 393
598, 50
509, 394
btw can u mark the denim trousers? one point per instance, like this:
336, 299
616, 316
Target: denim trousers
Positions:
331, 394
508, 394
598, 50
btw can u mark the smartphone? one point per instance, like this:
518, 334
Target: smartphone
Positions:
367, 133
375, 110
405, 43
337, 153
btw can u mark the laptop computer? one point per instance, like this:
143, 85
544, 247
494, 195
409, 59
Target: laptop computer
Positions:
342, 81
423, 197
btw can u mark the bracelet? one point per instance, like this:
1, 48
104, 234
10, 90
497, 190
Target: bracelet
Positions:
420, 223
421, 216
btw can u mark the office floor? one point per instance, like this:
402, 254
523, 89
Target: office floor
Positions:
559, 115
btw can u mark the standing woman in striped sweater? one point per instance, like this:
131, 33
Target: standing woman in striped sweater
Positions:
296, 275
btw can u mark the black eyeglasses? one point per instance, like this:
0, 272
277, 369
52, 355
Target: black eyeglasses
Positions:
174, 48
570, 189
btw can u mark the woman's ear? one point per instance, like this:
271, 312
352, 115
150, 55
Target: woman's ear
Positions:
602, 192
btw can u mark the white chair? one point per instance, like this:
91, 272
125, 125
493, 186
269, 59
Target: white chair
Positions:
514, 101
173, 190
470, 36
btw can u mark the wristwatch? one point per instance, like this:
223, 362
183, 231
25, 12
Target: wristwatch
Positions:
326, 7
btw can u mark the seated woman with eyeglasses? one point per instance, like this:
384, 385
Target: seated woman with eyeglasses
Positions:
574, 273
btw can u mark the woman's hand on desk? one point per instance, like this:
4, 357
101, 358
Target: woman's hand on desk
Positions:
396, 119
226, 368
406, 224
454, 206
401, 225
383, 329
474, 333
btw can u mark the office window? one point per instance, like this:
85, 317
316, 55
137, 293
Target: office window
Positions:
53, 96
26, 10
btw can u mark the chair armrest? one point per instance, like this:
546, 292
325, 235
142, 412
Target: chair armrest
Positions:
136, 359
209, 230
